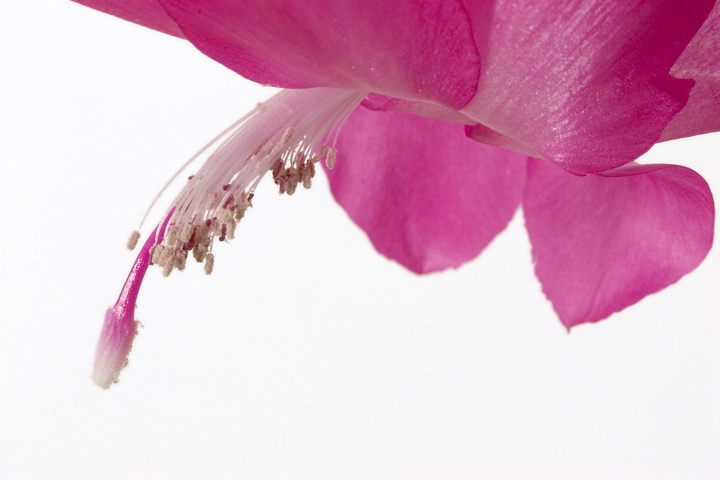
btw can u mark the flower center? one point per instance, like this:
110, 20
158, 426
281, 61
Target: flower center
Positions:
285, 136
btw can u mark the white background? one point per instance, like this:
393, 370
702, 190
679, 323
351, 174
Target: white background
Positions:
306, 354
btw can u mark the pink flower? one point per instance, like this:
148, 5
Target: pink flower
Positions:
587, 86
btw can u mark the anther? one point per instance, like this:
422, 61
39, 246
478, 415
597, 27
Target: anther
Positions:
166, 258
167, 269
171, 235
133, 240
157, 254
209, 263
199, 252
180, 259
293, 177
307, 173
187, 232
212, 202
240, 212
331, 158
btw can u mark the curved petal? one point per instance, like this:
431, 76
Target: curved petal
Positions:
603, 242
383, 103
426, 195
585, 84
403, 48
147, 13
701, 62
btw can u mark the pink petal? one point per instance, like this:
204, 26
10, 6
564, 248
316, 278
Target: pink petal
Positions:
701, 62
426, 195
585, 84
604, 242
383, 103
147, 13
404, 48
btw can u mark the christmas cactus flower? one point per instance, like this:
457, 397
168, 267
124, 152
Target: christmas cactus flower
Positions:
435, 120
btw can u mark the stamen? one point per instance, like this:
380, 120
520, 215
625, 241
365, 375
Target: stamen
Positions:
285, 136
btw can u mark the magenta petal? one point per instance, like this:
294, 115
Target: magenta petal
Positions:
403, 48
701, 62
585, 84
382, 103
603, 242
426, 195
147, 13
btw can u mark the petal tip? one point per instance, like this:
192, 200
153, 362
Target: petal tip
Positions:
602, 243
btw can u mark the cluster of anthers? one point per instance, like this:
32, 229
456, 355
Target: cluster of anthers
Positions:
225, 208
205, 211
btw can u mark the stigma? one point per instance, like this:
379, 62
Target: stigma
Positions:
285, 137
